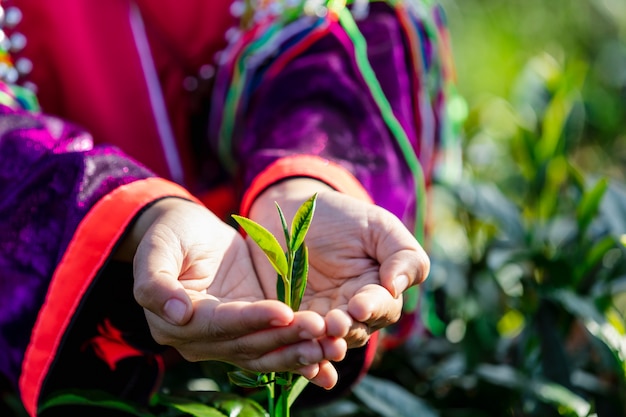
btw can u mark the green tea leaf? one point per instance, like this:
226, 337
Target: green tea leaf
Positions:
283, 222
281, 380
245, 379
280, 289
299, 276
297, 388
266, 241
301, 222
207, 403
198, 410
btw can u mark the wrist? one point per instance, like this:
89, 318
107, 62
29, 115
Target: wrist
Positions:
294, 188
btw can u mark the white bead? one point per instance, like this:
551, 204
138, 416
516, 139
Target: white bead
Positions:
4, 68
275, 8
13, 16
31, 86
12, 75
232, 34
237, 8
18, 42
190, 83
206, 71
24, 65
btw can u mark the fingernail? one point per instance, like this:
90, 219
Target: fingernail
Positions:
278, 323
400, 284
174, 310
304, 334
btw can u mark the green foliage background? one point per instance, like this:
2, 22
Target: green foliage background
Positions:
528, 246
493, 42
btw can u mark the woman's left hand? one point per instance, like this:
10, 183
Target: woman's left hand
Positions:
362, 258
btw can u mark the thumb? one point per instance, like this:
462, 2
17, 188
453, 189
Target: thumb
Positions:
156, 287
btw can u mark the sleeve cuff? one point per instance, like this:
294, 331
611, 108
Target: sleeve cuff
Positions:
91, 246
309, 166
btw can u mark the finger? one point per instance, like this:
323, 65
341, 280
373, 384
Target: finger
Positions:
326, 377
208, 324
335, 348
358, 335
156, 286
374, 306
403, 262
289, 358
248, 334
308, 371
338, 323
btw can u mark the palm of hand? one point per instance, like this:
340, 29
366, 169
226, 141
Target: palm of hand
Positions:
344, 283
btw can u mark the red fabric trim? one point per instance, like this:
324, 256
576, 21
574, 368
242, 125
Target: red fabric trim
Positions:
93, 241
309, 166
370, 352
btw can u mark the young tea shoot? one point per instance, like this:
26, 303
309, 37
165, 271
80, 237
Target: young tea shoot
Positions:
292, 267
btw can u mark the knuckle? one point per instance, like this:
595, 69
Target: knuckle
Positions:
244, 350
422, 268
140, 292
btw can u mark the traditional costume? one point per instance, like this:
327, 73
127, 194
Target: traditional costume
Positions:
211, 101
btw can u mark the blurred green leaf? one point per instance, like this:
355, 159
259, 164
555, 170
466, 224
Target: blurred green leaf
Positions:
594, 256
595, 322
95, 399
388, 399
613, 207
488, 204
590, 203
197, 409
213, 404
561, 397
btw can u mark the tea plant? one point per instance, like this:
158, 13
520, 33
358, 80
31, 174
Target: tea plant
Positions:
292, 267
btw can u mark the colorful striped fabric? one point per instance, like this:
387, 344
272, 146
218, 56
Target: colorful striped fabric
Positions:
274, 32
15, 96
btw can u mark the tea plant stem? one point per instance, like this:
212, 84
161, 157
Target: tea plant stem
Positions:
271, 395
284, 394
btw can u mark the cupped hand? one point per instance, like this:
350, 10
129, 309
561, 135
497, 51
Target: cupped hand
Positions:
362, 258
195, 280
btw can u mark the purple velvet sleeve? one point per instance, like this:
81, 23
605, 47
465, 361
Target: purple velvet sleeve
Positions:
319, 104
50, 177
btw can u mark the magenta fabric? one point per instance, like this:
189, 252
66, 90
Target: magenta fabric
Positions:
91, 66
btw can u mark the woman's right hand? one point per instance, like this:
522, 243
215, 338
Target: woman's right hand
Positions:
195, 280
